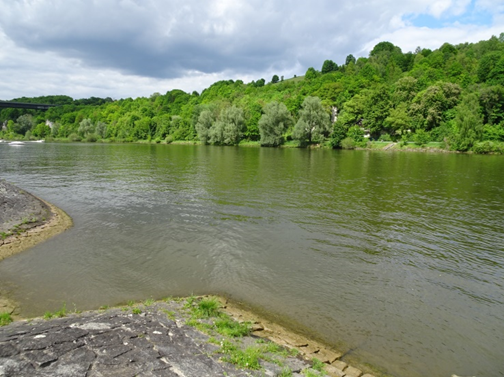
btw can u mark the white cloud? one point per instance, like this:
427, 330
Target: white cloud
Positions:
122, 48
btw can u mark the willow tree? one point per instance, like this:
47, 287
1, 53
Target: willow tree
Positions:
205, 122
314, 122
273, 124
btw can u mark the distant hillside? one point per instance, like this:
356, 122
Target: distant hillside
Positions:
453, 95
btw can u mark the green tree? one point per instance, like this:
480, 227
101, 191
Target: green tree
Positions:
41, 130
273, 123
350, 59
313, 123
338, 134
23, 124
311, 74
469, 123
205, 122
85, 127
101, 129
398, 119
487, 64
329, 66
274, 79
228, 128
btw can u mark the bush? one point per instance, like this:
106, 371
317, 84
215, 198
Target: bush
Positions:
74, 137
385, 137
421, 137
92, 138
484, 147
169, 139
347, 143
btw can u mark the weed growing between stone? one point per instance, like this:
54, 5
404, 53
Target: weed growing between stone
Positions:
5, 319
317, 364
226, 333
59, 314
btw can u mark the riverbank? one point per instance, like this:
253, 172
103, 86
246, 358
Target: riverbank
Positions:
25, 221
194, 336
53, 345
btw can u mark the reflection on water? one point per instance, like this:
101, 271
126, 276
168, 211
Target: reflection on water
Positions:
398, 257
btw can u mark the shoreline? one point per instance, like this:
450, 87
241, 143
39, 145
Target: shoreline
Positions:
263, 326
150, 315
14, 244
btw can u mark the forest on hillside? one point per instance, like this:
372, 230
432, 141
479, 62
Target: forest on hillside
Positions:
453, 95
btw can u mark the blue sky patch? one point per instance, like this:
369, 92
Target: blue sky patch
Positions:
470, 17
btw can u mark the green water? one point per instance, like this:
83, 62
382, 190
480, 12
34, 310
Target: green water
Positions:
395, 256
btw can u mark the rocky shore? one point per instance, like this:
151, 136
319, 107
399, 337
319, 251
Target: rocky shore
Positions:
26, 220
173, 337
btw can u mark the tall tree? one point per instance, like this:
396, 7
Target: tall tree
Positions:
329, 66
273, 123
205, 122
469, 123
313, 123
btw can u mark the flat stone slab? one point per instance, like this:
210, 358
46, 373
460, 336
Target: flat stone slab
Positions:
117, 342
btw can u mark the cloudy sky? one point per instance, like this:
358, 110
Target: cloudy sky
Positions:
133, 48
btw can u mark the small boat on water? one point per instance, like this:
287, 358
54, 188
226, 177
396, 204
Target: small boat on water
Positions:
16, 143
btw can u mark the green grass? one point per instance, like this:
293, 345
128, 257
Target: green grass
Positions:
228, 327
5, 318
136, 311
170, 314
286, 372
59, 314
247, 358
317, 364
207, 307
149, 302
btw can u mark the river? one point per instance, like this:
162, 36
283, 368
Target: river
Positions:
395, 257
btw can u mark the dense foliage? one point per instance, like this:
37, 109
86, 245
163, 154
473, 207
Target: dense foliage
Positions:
453, 95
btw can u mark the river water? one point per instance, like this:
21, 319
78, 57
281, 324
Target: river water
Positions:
397, 258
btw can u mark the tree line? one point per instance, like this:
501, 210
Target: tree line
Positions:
453, 95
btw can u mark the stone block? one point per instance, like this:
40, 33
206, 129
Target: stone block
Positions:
339, 364
334, 372
353, 372
327, 356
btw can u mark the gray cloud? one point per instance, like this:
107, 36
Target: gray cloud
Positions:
201, 40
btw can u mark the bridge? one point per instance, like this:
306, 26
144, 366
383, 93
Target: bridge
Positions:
21, 105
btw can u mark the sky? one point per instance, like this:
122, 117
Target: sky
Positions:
134, 48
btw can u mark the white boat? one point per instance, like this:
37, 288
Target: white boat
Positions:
16, 143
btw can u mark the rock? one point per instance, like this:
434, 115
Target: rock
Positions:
339, 364
327, 356
353, 372
257, 327
334, 372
